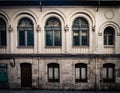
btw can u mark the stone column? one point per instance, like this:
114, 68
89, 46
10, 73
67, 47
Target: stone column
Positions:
10, 29
38, 39
66, 41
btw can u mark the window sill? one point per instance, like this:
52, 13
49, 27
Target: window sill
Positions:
109, 46
25, 47
53, 46
80, 46
3, 46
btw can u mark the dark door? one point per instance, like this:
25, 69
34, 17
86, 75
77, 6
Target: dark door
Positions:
26, 75
3, 76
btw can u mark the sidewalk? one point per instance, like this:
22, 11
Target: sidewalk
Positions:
54, 91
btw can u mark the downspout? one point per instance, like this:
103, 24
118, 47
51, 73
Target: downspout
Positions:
40, 5
98, 6
95, 73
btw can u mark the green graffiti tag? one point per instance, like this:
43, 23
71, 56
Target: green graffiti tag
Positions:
3, 76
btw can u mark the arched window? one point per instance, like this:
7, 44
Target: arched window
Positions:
108, 72
80, 30
53, 32
26, 32
109, 34
53, 72
80, 72
3, 36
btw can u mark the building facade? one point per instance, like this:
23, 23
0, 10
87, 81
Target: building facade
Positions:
63, 46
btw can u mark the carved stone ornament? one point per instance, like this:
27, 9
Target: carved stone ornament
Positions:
38, 28
12, 62
66, 28
100, 34
10, 28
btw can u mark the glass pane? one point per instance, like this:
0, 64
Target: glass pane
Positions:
105, 39
50, 76
84, 38
3, 38
110, 40
21, 38
80, 22
56, 73
49, 38
2, 23
105, 73
57, 38
30, 38
54, 22
77, 73
83, 73
110, 73
25, 22
76, 38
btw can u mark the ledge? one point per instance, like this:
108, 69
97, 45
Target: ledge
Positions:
8, 56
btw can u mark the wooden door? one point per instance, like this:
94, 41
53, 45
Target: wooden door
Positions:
26, 75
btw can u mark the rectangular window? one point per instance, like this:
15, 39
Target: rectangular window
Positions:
53, 72
80, 74
108, 74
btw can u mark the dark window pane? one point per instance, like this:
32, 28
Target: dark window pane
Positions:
111, 40
57, 38
30, 38
21, 38
76, 38
3, 38
105, 39
49, 38
84, 38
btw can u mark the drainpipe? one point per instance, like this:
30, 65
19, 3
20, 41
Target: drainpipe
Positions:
95, 73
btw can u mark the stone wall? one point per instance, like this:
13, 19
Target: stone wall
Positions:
67, 73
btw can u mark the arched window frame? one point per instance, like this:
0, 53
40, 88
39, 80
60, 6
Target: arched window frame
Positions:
3, 33
108, 72
53, 32
53, 72
109, 36
25, 32
80, 72
81, 30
